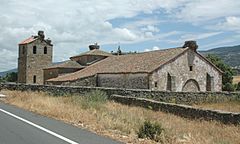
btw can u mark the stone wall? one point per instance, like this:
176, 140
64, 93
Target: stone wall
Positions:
30, 64
181, 110
172, 97
131, 81
179, 70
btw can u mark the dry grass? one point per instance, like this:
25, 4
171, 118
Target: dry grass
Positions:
236, 79
122, 122
233, 106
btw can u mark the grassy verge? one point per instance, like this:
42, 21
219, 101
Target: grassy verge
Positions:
121, 122
232, 106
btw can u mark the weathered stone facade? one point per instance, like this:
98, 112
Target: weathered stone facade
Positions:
188, 72
131, 81
35, 54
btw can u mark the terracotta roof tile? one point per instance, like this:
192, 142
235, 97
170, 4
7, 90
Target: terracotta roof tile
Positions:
66, 64
28, 40
132, 63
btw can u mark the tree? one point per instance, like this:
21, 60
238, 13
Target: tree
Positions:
11, 77
227, 72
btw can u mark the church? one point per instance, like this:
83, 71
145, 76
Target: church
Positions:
174, 69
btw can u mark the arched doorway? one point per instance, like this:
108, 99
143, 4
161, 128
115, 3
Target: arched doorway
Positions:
191, 86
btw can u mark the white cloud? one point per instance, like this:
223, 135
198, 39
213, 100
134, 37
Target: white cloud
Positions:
199, 36
204, 10
152, 49
71, 24
192, 36
230, 24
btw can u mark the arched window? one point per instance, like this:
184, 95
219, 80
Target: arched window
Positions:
45, 50
34, 49
169, 82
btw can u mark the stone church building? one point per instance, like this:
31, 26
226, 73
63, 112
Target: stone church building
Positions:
175, 69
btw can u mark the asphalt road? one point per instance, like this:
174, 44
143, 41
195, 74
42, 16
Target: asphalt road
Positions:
18, 126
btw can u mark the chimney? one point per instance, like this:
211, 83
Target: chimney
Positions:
95, 46
191, 44
41, 34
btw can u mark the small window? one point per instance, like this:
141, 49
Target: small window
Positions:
45, 50
155, 84
169, 82
34, 49
191, 68
34, 79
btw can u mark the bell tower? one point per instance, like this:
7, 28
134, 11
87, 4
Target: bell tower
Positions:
35, 53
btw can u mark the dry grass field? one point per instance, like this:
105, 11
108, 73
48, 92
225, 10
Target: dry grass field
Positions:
233, 106
236, 79
122, 122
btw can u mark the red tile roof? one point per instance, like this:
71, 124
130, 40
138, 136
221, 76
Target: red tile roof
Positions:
28, 40
131, 63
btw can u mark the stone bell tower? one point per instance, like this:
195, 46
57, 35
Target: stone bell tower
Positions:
35, 53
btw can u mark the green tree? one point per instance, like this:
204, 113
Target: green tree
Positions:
11, 77
227, 72
1, 79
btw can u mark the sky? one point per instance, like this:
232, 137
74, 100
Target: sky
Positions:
135, 25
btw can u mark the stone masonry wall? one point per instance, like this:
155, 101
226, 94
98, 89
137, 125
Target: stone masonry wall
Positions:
188, 98
30, 65
181, 110
131, 81
179, 69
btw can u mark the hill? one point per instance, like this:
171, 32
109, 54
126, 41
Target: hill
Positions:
230, 55
2, 74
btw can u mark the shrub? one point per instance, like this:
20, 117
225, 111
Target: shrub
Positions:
151, 130
228, 87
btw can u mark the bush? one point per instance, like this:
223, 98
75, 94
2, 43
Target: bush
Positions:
151, 130
228, 87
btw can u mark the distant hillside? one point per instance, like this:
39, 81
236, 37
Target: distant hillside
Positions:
2, 74
230, 55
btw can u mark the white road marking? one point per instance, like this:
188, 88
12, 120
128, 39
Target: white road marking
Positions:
40, 127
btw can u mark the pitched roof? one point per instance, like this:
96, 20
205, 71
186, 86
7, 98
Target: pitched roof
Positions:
93, 52
28, 40
66, 64
145, 62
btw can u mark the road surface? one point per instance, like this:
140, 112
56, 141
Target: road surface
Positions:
18, 126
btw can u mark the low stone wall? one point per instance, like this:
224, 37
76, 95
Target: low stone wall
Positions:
171, 97
181, 110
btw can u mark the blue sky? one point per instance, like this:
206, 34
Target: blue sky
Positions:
135, 25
